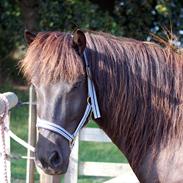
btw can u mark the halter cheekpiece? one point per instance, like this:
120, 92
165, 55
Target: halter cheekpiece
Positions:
92, 106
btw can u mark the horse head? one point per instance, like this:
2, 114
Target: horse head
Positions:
62, 100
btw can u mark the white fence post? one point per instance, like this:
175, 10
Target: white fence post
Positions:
121, 171
72, 173
12, 101
31, 135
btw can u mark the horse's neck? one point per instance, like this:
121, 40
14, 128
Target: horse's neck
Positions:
154, 168
167, 157
160, 169
130, 123
116, 137
108, 104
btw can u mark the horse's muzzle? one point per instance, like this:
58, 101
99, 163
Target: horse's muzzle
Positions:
51, 163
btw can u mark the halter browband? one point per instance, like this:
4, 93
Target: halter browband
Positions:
91, 107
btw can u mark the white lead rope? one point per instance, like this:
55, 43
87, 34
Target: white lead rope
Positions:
19, 140
3, 144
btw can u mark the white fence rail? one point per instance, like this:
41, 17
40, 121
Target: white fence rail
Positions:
120, 172
12, 100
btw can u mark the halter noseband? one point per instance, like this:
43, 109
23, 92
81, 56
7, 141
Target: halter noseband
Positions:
91, 107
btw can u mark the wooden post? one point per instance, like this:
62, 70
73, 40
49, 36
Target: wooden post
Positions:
72, 173
31, 135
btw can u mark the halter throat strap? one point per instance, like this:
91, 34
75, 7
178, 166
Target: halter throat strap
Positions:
91, 107
91, 90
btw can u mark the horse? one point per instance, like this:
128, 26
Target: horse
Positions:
137, 91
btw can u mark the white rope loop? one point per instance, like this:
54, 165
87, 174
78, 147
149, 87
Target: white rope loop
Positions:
4, 100
19, 140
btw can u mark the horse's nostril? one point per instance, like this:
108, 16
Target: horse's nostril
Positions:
55, 159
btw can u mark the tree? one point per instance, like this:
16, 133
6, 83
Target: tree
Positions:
139, 18
128, 18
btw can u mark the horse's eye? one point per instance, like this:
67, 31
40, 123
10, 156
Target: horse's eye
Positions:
77, 84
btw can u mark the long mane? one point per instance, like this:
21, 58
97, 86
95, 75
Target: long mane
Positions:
139, 85
140, 89
51, 57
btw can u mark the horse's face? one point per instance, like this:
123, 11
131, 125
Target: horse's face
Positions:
62, 103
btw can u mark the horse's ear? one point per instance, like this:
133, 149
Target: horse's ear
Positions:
29, 36
79, 41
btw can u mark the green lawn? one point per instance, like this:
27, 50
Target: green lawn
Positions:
100, 152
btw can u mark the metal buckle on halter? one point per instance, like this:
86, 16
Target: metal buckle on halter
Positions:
88, 100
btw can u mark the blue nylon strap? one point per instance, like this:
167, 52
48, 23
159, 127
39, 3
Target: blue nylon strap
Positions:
91, 90
41, 123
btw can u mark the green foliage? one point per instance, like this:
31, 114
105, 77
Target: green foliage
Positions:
54, 15
81, 13
139, 18
11, 27
129, 18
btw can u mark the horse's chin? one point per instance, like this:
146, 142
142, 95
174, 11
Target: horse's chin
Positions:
49, 171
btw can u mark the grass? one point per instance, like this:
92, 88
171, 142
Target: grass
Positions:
99, 152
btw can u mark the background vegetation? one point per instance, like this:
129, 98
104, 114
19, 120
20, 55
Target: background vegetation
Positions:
128, 18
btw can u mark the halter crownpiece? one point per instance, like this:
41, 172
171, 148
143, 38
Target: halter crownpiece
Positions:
91, 107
